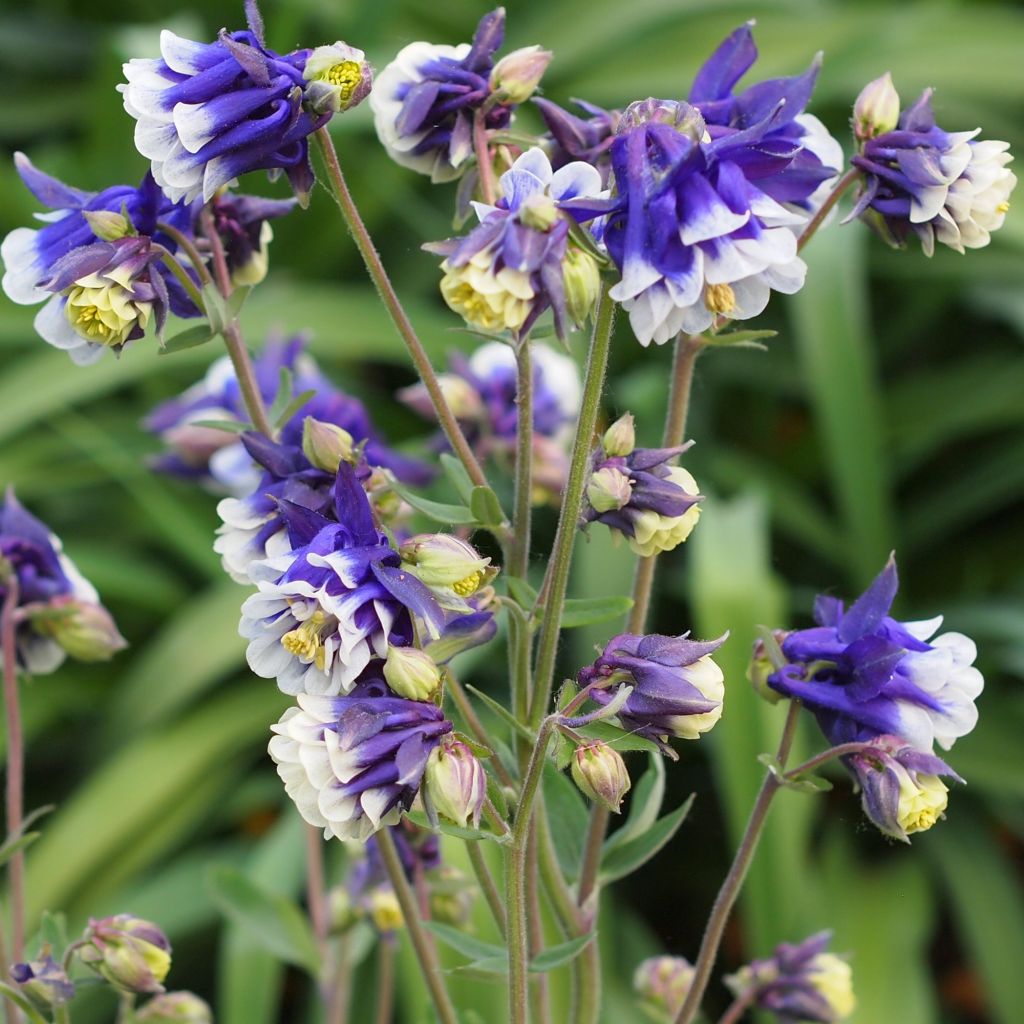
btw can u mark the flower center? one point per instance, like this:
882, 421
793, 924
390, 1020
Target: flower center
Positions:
88, 321
1003, 206
469, 584
471, 304
306, 641
345, 76
720, 298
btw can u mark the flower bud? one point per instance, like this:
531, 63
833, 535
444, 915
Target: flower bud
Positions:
325, 444
43, 982
451, 897
832, 978
443, 561
516, 76
539, 212
175, 1008
601, 774
877, 109
620, 438
342, 912
85, 630
456, 782
108, 225
412, 673
385, 912
132, 954
609, 489
662, 982
760, 668
581, 281
339, 77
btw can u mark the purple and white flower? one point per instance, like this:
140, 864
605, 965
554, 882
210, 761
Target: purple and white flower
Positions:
943, 186
243, 226
99, 293
425, 100
865, 674
354, 764
677, 689
579, 138
519, 261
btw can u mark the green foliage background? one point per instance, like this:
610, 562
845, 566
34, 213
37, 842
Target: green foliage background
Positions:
887, 414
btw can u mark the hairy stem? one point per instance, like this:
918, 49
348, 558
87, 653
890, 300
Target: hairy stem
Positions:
540, 1010
473, 723
186, 245
364, 243
572, 498
14, 996
484, 167
819, 218
15, 762
599, 817
424, 949
488, 886
843, 750
738, 1007
519, 545
730, 890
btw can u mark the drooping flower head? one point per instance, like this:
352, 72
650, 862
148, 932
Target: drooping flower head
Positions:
354, 763
942, 186
93, 263
865, 674
60, 609
424, 102
519, 261
801, 984
677, 688
635, 492
243, 226
132, 954
662, 983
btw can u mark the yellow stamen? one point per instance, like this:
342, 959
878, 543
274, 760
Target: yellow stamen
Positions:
345, 75
719, 298
464, 299
87, 321
305, 641
469, 584
1003, 206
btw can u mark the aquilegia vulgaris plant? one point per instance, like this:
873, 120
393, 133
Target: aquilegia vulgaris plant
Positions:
679, 217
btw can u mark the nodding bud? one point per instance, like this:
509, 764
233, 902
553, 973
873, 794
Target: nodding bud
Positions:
412, 673
85, 630
385, 913
43, 982
877, 109
581, 281
456, 782
339, 78
601, 774
175, 1008
620, 438
761, 667
662, 982
446, 562
516, 76
132, 954
609, 489
326, 445
108, 225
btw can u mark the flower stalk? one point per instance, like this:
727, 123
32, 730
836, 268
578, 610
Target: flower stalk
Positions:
826, 207
15, 762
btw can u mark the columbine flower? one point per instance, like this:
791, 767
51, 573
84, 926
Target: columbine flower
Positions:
334, 601
132, 954
353, 764
577, 138
453, 569
175, 1008
900, 786
655, 506
339, 78
943, 186
209, 112
865, 674
799, 984
677, 688
600, 773
512, 267
456, 782
243, 225
662, 982
110, 295
56, 601
425, 100
43, 982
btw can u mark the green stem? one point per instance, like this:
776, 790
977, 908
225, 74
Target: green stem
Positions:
843, 750
554, 883
22, 1003
819, 218
473, 723
572, 499
587, 992
484, 166
186, 245
364, 243
425, 952
599, 816
518, 931
738, 1007
385, 981
61, 1014
492, 896
125, 1008
730, 890
169, 260
341, 983
519, 545
15, 761
540, 1010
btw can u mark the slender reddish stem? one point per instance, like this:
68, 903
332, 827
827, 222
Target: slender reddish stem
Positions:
15, 763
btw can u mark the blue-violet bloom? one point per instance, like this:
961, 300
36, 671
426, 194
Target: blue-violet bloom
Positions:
43, 982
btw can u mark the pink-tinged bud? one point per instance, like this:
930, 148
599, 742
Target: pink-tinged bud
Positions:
85, 630
609, 489
326, 445
132, 954
516, 76
877, 109
461, 397
175, 1008
601, 774
456, 782
620, 438
412, 673
662, 982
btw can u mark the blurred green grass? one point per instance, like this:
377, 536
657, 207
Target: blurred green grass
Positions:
887, 414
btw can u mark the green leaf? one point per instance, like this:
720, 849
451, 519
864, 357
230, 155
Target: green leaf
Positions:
457, 831
563, 953
273, 920
53, 930
285, 383
191, 338
521, 592
456, 473
17, 841
468, 945
569, 818
584, 611
745, 339
451, 515
623, 859
236, 300
503, 713
644, 804
620, 739
292, 408
229, 426
486, 508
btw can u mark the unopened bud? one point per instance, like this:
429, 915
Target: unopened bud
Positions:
385, 912
175, 1008
662, 982
456, 782
441, 560
411, 673
761, 667
342, 913
601, 774
539, 212
43, 982
326, 445
107, 225
516, 76
581, 281
620, 438
132, 954
877, 109
83, 629
451, 896
609, 489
